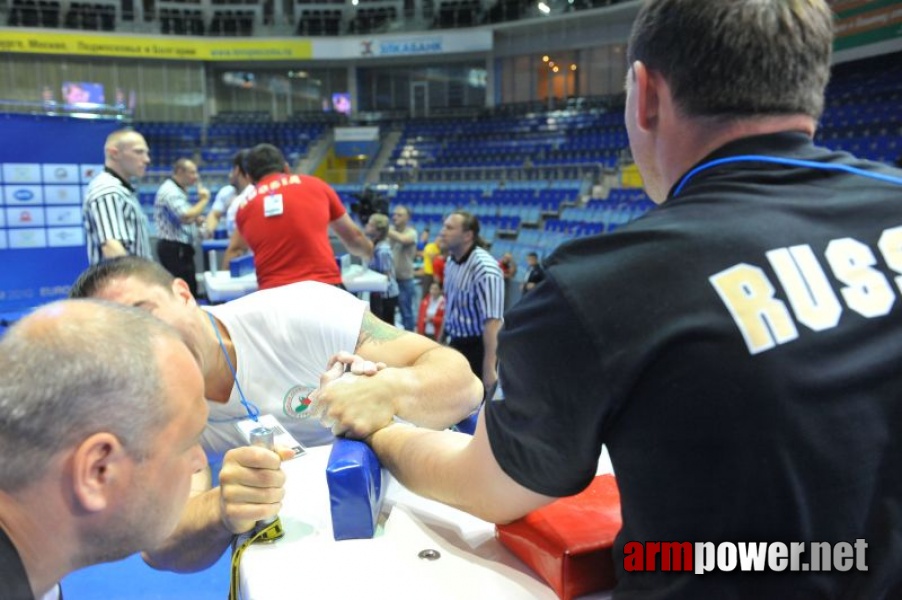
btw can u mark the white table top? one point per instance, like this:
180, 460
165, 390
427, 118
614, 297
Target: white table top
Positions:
309, 563
220, 286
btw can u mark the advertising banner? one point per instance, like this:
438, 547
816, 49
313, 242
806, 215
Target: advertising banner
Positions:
44, 170
157, 47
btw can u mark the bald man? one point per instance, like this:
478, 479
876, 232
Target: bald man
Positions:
102, 409
176, 219
114, 223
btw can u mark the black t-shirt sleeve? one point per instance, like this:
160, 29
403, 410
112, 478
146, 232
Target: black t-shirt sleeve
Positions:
546, 433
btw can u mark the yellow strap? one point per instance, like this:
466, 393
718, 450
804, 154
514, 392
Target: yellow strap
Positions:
270, 533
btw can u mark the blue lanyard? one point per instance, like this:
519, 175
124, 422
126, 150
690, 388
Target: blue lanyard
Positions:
792, 162
252, 411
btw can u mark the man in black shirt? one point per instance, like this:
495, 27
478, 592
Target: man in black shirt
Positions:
102, 409
534, 274
738, 349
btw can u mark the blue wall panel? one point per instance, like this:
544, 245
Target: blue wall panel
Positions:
45, 165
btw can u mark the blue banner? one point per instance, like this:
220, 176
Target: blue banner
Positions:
45, 165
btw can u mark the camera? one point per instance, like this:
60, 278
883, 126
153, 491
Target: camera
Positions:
368, 203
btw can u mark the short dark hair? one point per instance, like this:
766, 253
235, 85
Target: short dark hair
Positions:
240, 160
96, 277
263, 160
735, 58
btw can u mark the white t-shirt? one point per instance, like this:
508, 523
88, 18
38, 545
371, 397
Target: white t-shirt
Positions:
283, 338
224, 197
233, 207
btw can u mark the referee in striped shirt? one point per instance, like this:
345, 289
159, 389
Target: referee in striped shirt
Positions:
474, 297
115, 224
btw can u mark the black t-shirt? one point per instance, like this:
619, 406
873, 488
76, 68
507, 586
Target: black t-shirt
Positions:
739, 351
535, 275
14, 584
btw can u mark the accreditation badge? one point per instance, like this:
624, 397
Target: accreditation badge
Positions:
272, 205
280, 436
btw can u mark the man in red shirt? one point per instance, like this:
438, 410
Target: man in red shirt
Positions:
286, 221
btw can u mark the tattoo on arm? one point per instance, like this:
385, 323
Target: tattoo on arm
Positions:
374, 329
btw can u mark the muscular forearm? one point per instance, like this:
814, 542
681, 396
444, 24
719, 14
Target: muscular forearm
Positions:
359, 245
198, 540
212, 221
231, 253
455, 469
422, 460
438, 391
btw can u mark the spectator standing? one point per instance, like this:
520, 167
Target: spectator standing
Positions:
176, 219
102, 410
534, 275
432, 312
285, 222
438, 265
382, 304
509, 271
403, 239
430, 251
115, 224
422, 240
743, 366
474, 297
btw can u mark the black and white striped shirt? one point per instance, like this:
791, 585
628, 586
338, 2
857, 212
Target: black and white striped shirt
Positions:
474, 293
112, 212
170, 204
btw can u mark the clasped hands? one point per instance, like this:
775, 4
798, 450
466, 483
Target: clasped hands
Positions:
350, 399
252, 483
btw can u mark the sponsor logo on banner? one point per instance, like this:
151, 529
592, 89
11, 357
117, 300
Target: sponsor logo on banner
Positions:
70, 215
27, 238
430, 45
58, 237
62, 194
400, 47
60, 173
89, 172
21, 173
25, 217
20, 195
